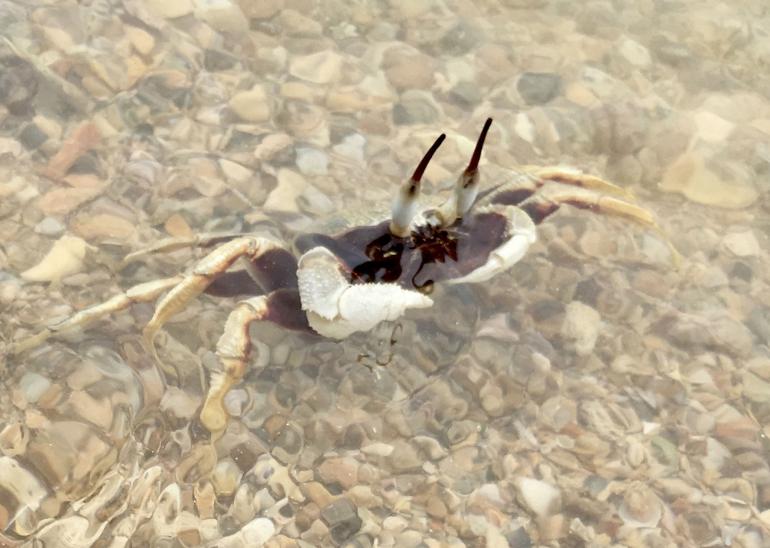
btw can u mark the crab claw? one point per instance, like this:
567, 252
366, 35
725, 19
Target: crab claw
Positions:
336, 308
405, 204
467, 186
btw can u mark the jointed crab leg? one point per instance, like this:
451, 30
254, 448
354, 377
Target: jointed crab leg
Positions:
167, 245
205, 272
540, 207
141, 293
533, 178
405, 204
233, 350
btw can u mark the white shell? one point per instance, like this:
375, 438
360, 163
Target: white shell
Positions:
63, 259
335, 308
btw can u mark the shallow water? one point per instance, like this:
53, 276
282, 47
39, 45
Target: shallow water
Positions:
603, 392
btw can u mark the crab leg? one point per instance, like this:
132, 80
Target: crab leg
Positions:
233, 351
167, 245
281, 307
467, 186
144, 292
543, 206
532, 179
405, 204
203, 274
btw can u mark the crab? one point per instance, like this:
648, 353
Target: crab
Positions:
336, 284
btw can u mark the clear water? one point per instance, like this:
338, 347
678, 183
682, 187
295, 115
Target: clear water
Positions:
603, 391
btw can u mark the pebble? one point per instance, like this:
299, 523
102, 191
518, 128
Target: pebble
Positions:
538, 88
61, 201
406, 70
222, 15
169, 9
742, 244
323, 67
66, 257
341, 517
581, 326
252, 105
415, 107
311, 161
103, 226
635, 53
50, 226
691, 176
542, 498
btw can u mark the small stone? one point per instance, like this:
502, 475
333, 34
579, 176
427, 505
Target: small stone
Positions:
169, 9
66, 257
581, 95
225, 477
61, 201
50, 226
352, 146
103, 226
222, 15
319, 68
342, 519
742, 244
297, 24
33, 386
466, 93
312, 161
252, 105
257, 532
581, 326
540, 497
32, 137
177, 226
415, 107
712, 128
141, 40
538, 88
285, 195
408, 70
235, 172
690, 175
635, 53
264, 9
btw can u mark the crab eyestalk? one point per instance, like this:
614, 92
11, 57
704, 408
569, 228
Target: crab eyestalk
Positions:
467, 187
405, 204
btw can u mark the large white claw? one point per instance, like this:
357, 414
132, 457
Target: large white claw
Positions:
522, 233
336, 308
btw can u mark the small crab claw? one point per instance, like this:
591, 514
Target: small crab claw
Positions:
405, 204
521, 234
467, 186
335, 308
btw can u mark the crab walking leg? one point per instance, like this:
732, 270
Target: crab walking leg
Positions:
233, 351
405, 203
196, 282
574, 177
532, 179
542, 206
141, 293
168, 245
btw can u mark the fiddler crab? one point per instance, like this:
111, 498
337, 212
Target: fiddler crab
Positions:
363, 275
